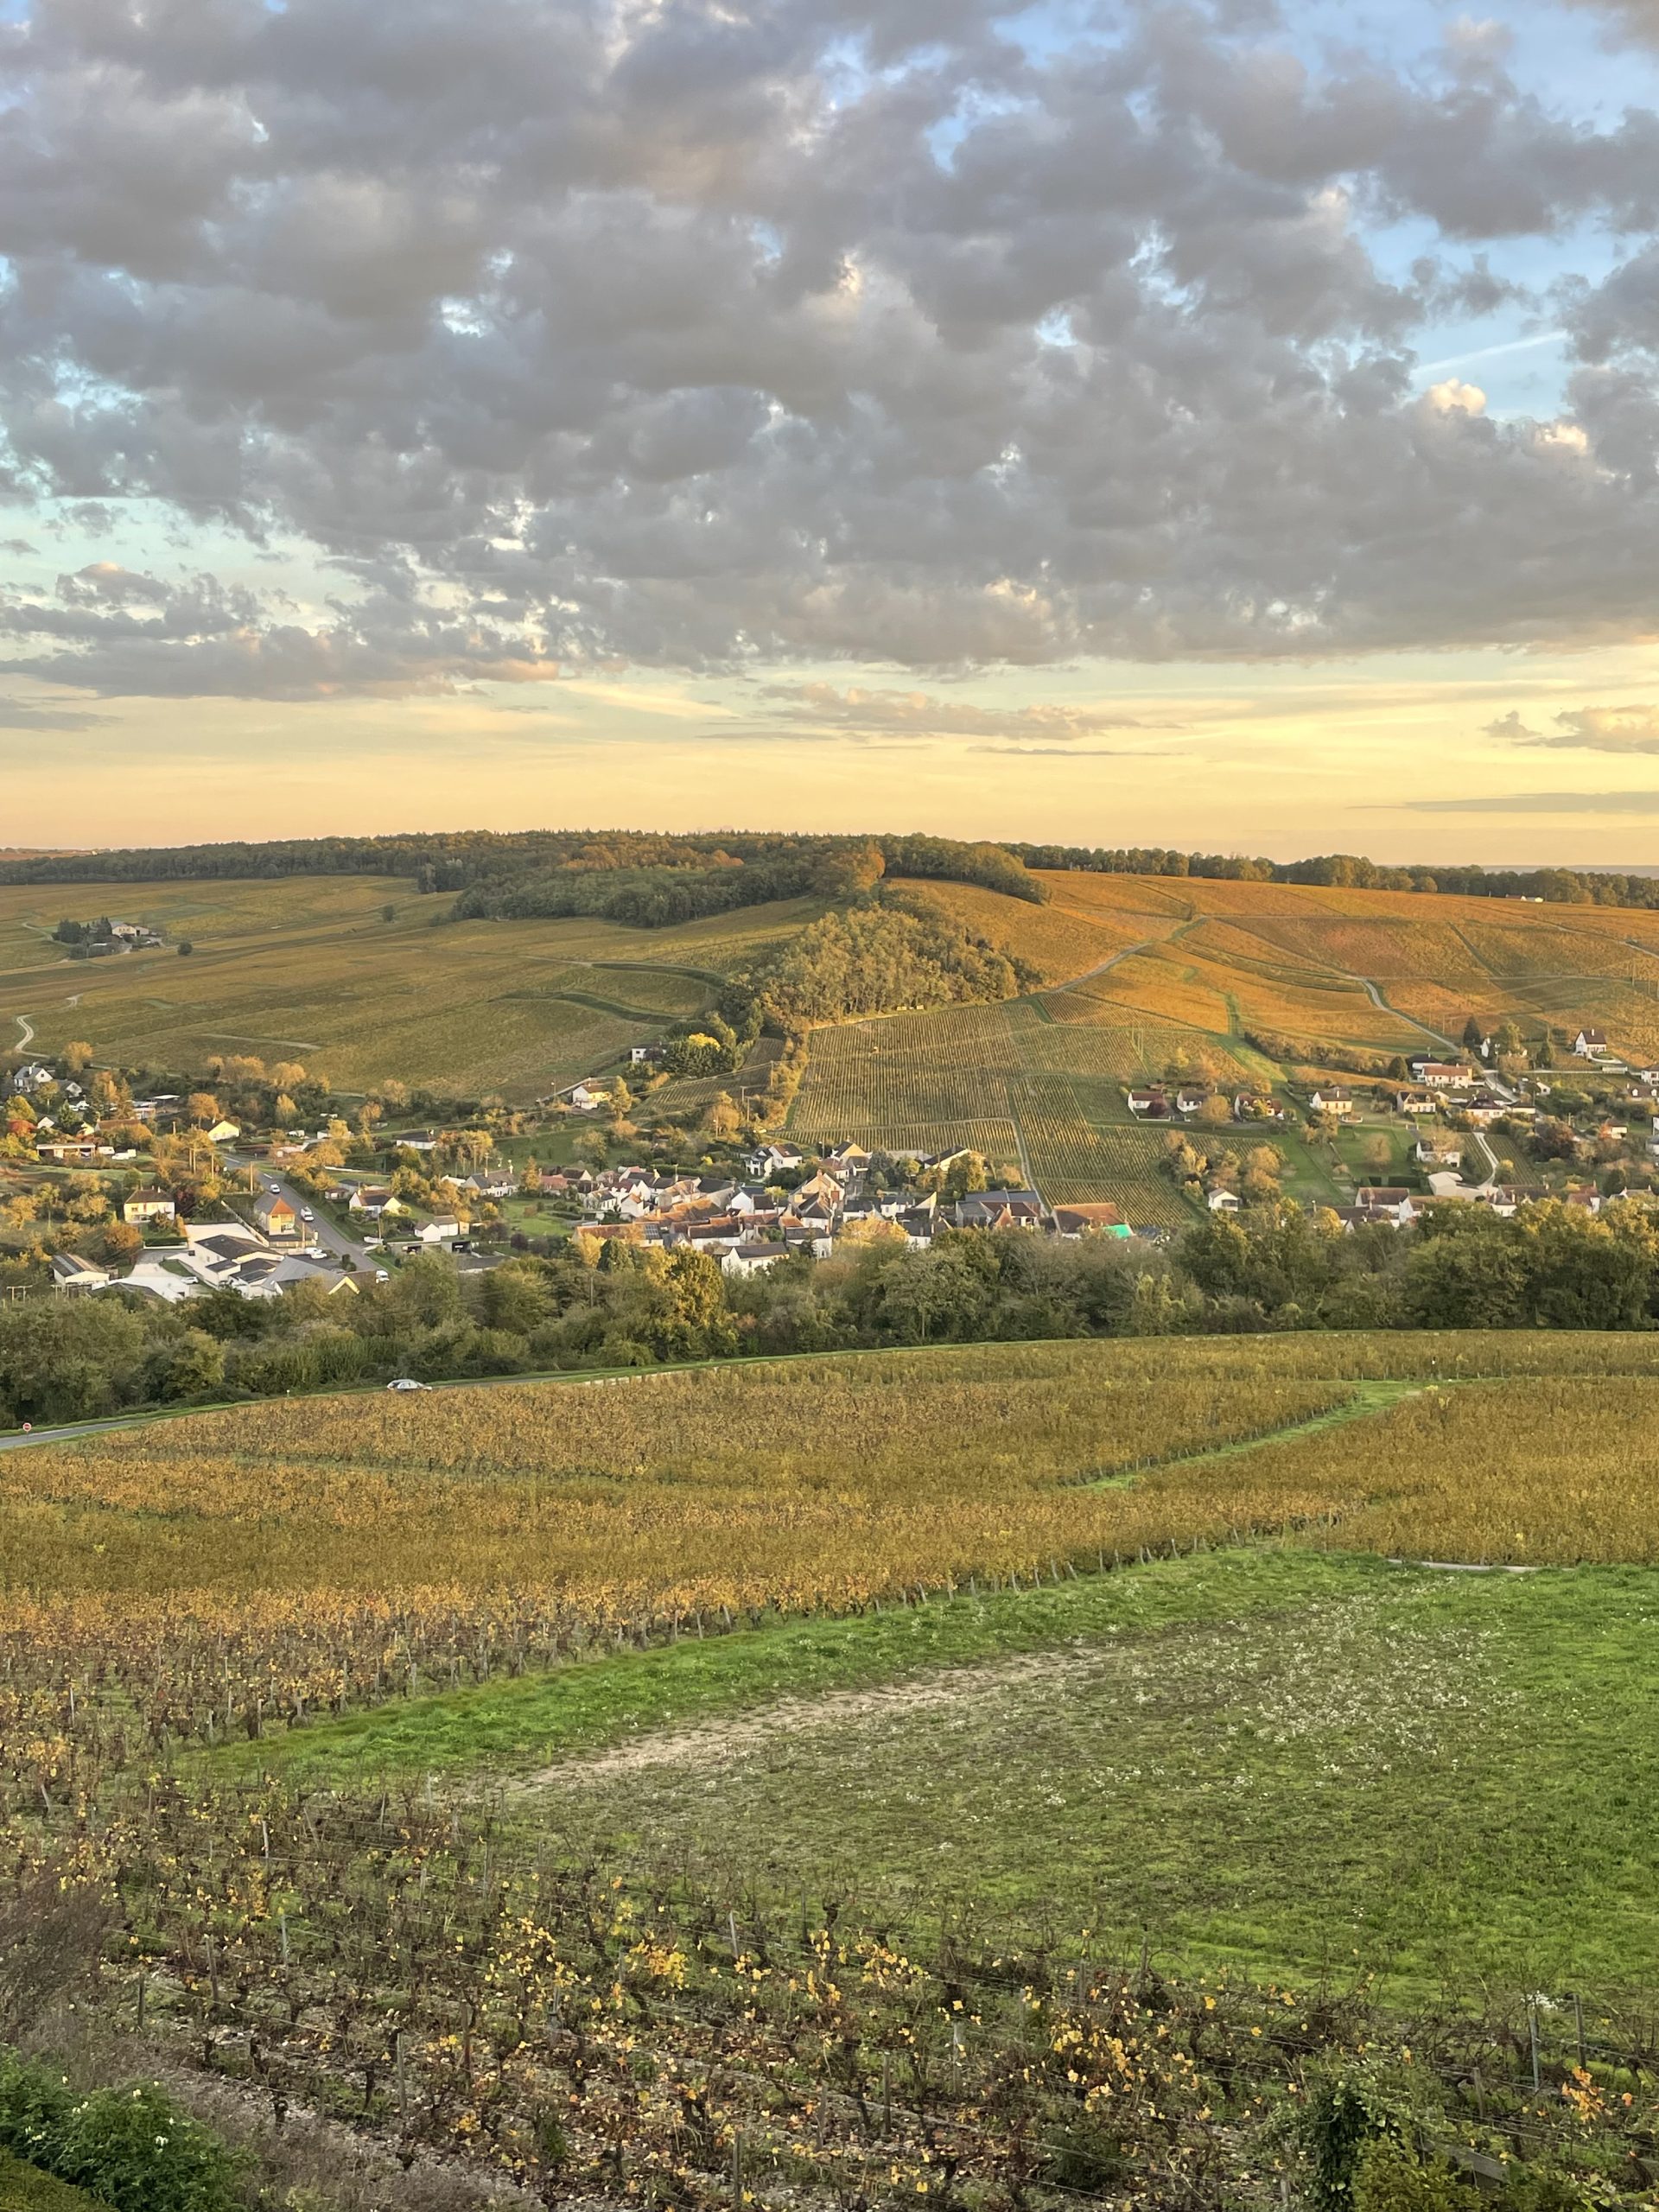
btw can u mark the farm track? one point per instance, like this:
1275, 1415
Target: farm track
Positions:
1368, 1398
716, 1741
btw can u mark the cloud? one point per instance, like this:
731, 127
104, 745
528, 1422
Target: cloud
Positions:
865, 711
121, 633
27, 714
1535, 803
1586, 729
697, 335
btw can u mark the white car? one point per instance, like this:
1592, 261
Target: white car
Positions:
382, 1275
306, 1214
408, 1382
275, 1190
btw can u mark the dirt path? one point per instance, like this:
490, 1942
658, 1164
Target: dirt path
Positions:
712, 1741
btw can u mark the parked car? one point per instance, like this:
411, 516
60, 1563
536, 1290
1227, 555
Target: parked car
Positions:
306, 1214
381, 1274
408, 1382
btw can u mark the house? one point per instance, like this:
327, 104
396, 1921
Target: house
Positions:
32, 1077
1386, 1198
1506, 1198
1332, 1098
416, 1140
370, 1199
1442, 1075
1586, 1197
918, 1225
70, 1272
1150, 1105
1484, 1109
441, 1229
1355, 1217
223, 1133
162, 1107
1074, 1222
492, 1182
848, 1161
1437, 1151
586, 1097
999, 1209
646, 1056
1258, 1106
151, 1203
1223, 1201
66, 1149
275, 1216
1417, 1102
826, 1189
741, 1261
1190, 1098
1590, 1044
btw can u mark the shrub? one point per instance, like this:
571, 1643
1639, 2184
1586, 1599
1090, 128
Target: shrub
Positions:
133, 2147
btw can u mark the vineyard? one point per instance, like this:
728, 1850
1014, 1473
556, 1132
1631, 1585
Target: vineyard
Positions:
464, 1764
313, 970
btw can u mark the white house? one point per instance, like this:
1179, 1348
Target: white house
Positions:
585, 1098
744, 1260
1590, 1044
1223, 1201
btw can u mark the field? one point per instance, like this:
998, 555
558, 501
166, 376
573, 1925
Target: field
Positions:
567, 1736
1145, 977
308, 969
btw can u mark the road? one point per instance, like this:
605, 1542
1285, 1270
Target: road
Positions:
321, 1230
25, 1029
14, 1440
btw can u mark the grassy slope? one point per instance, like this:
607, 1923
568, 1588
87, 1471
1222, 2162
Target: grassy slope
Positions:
26, 2189
1297, 1761
306, 969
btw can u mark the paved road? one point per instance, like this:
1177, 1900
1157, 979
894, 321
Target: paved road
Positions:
14, 1440
322, 1231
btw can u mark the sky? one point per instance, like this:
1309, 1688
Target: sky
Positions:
1229, 424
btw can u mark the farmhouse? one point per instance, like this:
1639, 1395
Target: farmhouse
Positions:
1332, 1098
1413, 1102
1442, 1075
1590, 1044
1223, 1201
586, 1097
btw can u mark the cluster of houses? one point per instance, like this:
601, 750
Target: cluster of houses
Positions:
214, 1255
750, 1222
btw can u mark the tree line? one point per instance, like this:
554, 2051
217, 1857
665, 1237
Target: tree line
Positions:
587, 1302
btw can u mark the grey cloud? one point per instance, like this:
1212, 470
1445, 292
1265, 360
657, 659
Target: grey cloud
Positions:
115, 632
571, 329
25, 714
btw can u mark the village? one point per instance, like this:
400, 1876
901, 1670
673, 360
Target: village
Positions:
163, 1196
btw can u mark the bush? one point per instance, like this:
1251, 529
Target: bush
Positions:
132, 2147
